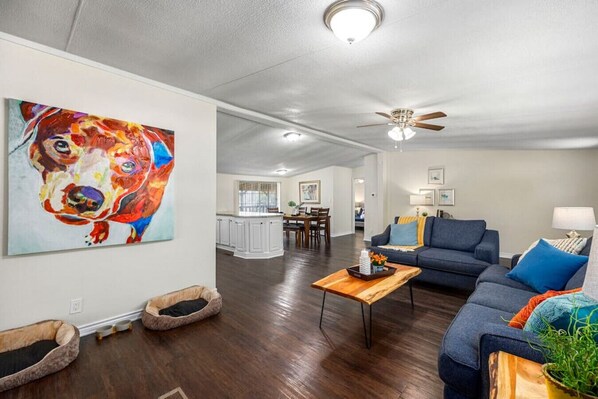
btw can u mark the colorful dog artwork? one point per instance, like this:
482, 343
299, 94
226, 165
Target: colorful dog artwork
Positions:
78, 180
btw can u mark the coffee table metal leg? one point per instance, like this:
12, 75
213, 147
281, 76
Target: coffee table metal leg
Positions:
368, 338
322, 311
411, 293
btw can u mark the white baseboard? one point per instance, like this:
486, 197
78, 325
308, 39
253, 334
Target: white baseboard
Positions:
344, 233
91, 328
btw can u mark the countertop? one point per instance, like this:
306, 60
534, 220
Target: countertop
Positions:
249, 214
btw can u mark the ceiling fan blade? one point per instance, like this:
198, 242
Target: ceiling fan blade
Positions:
433, 115
428, 126
384, 114
375, 124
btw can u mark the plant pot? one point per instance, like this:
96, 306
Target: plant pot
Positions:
556, 390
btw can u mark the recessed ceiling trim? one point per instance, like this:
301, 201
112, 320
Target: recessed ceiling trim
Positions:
221, 105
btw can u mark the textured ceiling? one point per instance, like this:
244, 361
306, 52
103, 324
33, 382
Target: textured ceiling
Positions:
509, 74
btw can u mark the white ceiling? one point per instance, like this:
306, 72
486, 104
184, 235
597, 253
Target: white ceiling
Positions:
509, 74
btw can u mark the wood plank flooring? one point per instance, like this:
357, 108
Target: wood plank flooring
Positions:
266, 342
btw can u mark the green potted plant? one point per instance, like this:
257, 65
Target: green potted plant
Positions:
293, 206
571, 370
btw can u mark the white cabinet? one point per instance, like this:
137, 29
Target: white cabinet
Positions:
241, 236
255, 236
224, 227
275, 235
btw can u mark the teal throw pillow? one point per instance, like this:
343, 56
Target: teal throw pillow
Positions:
403, 234
547, 268
557, 311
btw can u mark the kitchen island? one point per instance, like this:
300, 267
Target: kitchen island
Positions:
250, 235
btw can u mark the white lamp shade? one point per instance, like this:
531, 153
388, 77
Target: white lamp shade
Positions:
417, 200
590, 284
573, 218
399, 134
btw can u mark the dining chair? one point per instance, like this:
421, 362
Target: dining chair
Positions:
273, 210
320, 225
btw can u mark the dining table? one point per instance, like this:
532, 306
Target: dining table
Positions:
307, 219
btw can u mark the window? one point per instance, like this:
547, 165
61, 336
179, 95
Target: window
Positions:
258, 196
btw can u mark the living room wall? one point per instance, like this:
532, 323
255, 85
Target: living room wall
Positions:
514, 191
111, 280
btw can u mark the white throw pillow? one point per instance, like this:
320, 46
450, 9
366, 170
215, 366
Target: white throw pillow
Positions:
571, 245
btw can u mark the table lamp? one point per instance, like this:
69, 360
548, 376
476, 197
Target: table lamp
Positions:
573, 218
590, 284
417, 201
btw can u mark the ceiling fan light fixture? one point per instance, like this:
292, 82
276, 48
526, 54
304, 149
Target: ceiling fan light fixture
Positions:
400, 134
292, 136
353, 20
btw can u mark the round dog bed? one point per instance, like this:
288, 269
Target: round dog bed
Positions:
153, 320
60, 338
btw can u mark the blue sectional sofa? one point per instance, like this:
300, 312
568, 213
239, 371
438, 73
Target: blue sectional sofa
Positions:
454, 254
481, 327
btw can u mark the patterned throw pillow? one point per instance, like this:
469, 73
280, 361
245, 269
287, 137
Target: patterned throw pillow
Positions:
519, 320
553, 309
570, 245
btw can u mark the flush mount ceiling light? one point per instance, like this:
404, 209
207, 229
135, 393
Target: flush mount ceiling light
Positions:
281, 171
292, 136
353, 20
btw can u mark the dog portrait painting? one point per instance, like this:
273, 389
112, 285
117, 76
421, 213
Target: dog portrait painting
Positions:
78, 180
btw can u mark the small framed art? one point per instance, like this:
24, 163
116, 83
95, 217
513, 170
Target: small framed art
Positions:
436, 176
446, 197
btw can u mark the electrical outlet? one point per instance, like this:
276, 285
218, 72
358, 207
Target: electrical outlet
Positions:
76, 305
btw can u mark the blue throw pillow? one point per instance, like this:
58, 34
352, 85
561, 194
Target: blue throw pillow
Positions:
403, 234
547, 268
577, 318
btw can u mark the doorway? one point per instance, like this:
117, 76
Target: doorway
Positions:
359, 203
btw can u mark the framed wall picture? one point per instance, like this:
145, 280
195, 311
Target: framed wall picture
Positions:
99, 182
446, 197
309, 192
436, 176
429, 194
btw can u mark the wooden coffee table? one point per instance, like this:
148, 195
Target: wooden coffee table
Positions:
368, 292
513, 377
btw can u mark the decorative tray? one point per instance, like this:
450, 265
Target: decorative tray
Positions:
388, 271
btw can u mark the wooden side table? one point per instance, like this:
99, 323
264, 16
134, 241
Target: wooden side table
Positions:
513, 377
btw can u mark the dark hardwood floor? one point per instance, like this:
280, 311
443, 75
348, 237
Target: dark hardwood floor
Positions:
266, 342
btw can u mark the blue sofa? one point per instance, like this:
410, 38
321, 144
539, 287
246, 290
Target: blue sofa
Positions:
481, 327
454, 254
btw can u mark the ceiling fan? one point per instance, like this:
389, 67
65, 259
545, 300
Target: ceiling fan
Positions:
402, 119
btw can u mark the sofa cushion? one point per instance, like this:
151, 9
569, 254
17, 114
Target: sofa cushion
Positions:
452, 261
460, 235
497, 274
547, 268
501, 297
404, 258
578, 278
458, 363
403, 234
586, 250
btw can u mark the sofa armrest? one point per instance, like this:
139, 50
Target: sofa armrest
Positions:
515, 260
381, 239
506, 339
487, 250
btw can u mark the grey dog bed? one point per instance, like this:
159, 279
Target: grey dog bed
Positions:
35, 338
152, 319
